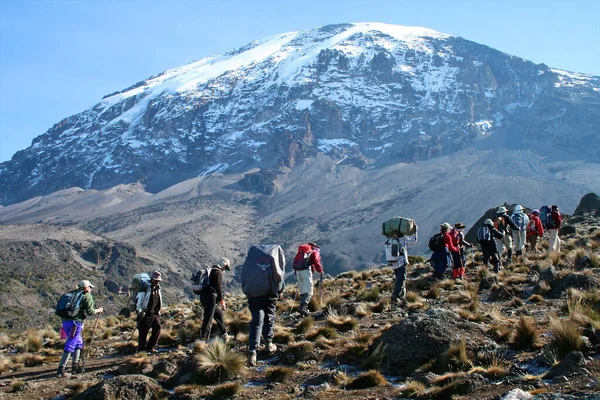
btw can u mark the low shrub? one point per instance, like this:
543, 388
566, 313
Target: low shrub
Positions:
366, 380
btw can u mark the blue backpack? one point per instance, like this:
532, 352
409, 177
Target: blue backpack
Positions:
546, 217
69, 303
484, 234
519, 220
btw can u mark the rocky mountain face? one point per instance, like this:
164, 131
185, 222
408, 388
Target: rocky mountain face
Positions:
364, 94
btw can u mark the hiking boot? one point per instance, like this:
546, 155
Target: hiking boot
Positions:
152, 351
226, 338
252, 358
270, 347
62, 373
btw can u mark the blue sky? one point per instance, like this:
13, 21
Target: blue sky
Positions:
58, 58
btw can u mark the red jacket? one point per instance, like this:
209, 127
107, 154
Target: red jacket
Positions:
315, 257
450, 243
535, 226
556, 219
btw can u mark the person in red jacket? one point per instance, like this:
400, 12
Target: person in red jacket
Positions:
459, 258
554, 228
304, 272
535, 230
441, 259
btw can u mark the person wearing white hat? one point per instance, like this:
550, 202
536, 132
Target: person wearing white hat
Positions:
485, 236
521, 220
148, 306
73, 327
212, 295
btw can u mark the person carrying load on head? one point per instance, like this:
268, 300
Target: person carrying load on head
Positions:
73, 318
148, 306
535, 230
503, 224
210, 297
459, 258
521, 220
306, 262
401, 264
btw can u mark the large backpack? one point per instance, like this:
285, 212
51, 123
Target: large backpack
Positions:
546, 217
200, 280
436, 242
139, 283
263, 271
500, 224
69, 303
484, 234
302, 259
518, 219
399, 227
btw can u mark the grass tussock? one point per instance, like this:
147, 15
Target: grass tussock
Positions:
283, 337
369, 379
32, 360
536, 299
526, 335
455, 358
362, 310
325, 331
189, 331
304, 326
218, 363
501, 333
412, 297
300, 351
460, 297
381, 306
565, 336
17, 385
413, 389
434, 292
5, 365
34, 342
279, 374
227, 390
369, 295
126, 347
341, 322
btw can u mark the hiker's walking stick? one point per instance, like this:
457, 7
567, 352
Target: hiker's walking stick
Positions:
91, 340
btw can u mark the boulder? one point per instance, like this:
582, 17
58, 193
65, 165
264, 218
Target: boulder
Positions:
488, 281
517, 394
577, 281
112, 286
573, 364
548, 275
421, 338
584, 263
588, 203
138, 387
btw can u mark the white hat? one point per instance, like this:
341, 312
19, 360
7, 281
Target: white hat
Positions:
446, 226
223, 263
501, 210
518, 208
488, 222
84, 284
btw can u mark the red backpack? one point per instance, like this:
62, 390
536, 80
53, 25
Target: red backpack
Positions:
302, 258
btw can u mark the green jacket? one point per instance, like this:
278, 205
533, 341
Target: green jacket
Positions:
86, 308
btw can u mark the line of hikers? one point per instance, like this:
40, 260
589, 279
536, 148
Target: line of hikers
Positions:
263, 275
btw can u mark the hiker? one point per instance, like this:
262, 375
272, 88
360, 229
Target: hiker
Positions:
306, 262
504, 224
486, 236
212, 295
262, 283
401, 265
148, 305
521, 220
535, 230
459, 257
73, 327
554, 228
442, 246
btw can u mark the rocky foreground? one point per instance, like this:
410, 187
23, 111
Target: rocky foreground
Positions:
532, 331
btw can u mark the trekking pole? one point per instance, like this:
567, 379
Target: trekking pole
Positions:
91, 339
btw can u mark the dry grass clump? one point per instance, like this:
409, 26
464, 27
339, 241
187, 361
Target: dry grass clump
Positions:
17, 385
217, 363
129, 347
5, 365
565, 336
227, 390
381, 306
364, 337
352, 275
300, 351
283, 337
304, 326
135, 364
34, 341
198, 347
536, 298
455, 358
447, 284
279, 374
368, 294
412, 297
526, 335
341, 322
413, 389
434, 291
493, 367
167, 339
31, 360
189, 331
501, 333
332, 300
460, 297
372, 378
324, 331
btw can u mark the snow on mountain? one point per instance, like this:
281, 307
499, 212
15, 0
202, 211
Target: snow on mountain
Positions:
370, 93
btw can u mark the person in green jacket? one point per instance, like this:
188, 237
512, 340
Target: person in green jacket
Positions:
73, 327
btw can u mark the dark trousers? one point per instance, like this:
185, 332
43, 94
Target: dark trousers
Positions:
262, 310
490, 251
400, 288
441, 261
150, 321
211, 311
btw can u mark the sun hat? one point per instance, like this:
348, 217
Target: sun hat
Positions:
157, 276
85, 283
536, 212
446, 226
223, 263
488, 222
501, 210
518, 208
459, 225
